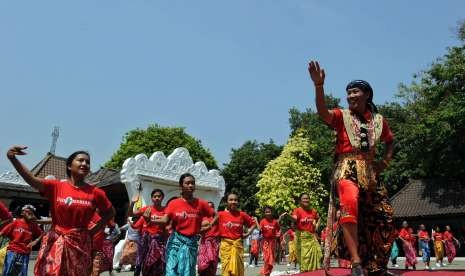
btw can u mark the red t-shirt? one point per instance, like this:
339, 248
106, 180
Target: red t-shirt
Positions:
305, 219
423, 235
343, 143
438, 236
151, 227
290, 234
73, 207
213, 231
270, 229
21, 233
4, 212
405, 234
231, 224
448, 236
187, 216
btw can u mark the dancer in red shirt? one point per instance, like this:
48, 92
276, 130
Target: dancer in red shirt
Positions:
270, 230
450, 241
408, 244
438, 246
186, 215
423, 246
231, 223
153, 238
366, 221
207, 260
23, 233
66, 248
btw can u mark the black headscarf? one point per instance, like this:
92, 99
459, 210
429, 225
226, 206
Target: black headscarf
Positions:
366, 88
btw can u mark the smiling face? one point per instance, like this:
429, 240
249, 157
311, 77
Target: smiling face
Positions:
80, 166
233, 202
357, 100
268, 213
305, 201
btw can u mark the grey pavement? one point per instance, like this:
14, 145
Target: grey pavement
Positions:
458, 264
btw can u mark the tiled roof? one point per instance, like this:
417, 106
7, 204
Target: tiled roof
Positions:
420, 198
51, 165
104, 177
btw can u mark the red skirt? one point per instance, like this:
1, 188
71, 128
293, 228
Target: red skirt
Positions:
64, 252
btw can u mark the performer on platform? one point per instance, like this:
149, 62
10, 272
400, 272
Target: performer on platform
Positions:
66, 248
366, 221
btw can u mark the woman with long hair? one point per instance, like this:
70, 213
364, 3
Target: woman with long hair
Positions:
66, 248
366, 215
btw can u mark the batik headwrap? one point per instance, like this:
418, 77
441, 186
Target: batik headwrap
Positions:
366, 88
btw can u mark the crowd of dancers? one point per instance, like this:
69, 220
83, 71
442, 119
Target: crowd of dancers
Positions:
164, 240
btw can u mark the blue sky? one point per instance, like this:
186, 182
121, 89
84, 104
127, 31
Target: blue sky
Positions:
228, 71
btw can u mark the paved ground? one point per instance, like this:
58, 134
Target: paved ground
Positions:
458, 264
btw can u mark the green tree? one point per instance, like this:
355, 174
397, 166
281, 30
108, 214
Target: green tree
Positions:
241, 173
292, 173
158, 138
310, 124
430, 134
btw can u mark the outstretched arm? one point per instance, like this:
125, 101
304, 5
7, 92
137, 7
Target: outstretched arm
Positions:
317, 75
25, 173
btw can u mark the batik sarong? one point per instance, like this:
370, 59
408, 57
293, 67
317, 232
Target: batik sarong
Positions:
153, 254
103, 258
181, 255
410, 254
129, 254
308, 251
15, 264
425, 251
394, 252
292, 250
64, 252
439, 250
232, 257
268, 249
450, 250
207, 261
376, 231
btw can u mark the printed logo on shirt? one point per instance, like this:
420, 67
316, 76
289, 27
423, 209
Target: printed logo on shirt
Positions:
231, 224
307, 220
267, 226
22, 230
184, 215
68, 201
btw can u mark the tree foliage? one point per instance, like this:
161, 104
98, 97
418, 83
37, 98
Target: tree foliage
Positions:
310, 124
158, 138
430, 125
241, 173
292, 173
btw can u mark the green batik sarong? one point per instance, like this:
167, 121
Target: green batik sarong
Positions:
308, 251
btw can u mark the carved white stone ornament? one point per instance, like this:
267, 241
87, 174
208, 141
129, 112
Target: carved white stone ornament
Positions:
12, 178
141, 175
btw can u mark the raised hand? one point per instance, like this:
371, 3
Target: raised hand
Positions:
135, 198
16, 150
316, 73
